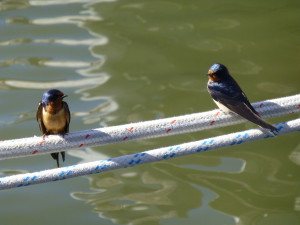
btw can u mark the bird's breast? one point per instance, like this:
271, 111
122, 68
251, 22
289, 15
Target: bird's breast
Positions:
222, 107
55, 123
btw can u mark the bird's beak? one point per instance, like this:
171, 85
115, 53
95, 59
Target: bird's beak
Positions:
64, 96
210, 73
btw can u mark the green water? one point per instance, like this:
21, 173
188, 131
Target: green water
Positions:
127, 61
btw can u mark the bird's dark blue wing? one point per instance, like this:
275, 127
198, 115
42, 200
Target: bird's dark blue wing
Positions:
229, 94
39, 118
67, 115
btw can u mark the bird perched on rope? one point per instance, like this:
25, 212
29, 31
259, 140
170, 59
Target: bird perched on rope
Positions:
229, 97
53, 116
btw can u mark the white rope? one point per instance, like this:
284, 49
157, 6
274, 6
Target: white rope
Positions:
144, 157
143, 130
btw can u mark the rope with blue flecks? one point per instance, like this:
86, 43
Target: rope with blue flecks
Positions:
143, 130
144, 157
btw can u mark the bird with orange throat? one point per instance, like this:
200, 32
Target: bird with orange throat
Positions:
53, 116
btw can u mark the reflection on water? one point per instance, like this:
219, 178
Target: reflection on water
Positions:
63, 2
142, 197
57, 84
88, 155
129, 61
295, 155
276, 88
226, 165
84, 72
174, 191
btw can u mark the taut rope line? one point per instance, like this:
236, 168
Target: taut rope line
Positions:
142, 130
149, 129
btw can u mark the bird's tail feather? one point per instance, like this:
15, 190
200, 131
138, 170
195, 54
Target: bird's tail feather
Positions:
248, 114
55, 156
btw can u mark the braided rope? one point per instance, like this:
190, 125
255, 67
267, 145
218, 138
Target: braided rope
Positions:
145, 157
142, 130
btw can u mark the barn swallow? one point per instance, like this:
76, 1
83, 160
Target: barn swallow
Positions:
53, 116
229, 97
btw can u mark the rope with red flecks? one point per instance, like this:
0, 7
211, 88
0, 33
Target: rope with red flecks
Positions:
142, 130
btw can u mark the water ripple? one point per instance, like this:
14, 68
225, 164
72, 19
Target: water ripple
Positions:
63, 2
66, 63
89, 42
64, 19
96, 81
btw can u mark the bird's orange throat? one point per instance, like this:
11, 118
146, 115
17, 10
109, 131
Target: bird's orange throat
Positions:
54, 107
214, 78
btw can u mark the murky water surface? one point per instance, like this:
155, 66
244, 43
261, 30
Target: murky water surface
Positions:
127, 61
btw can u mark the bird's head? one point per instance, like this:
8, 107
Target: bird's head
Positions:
52, 95
217, 72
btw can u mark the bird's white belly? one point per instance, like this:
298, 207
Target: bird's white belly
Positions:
54, 123
222, 107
